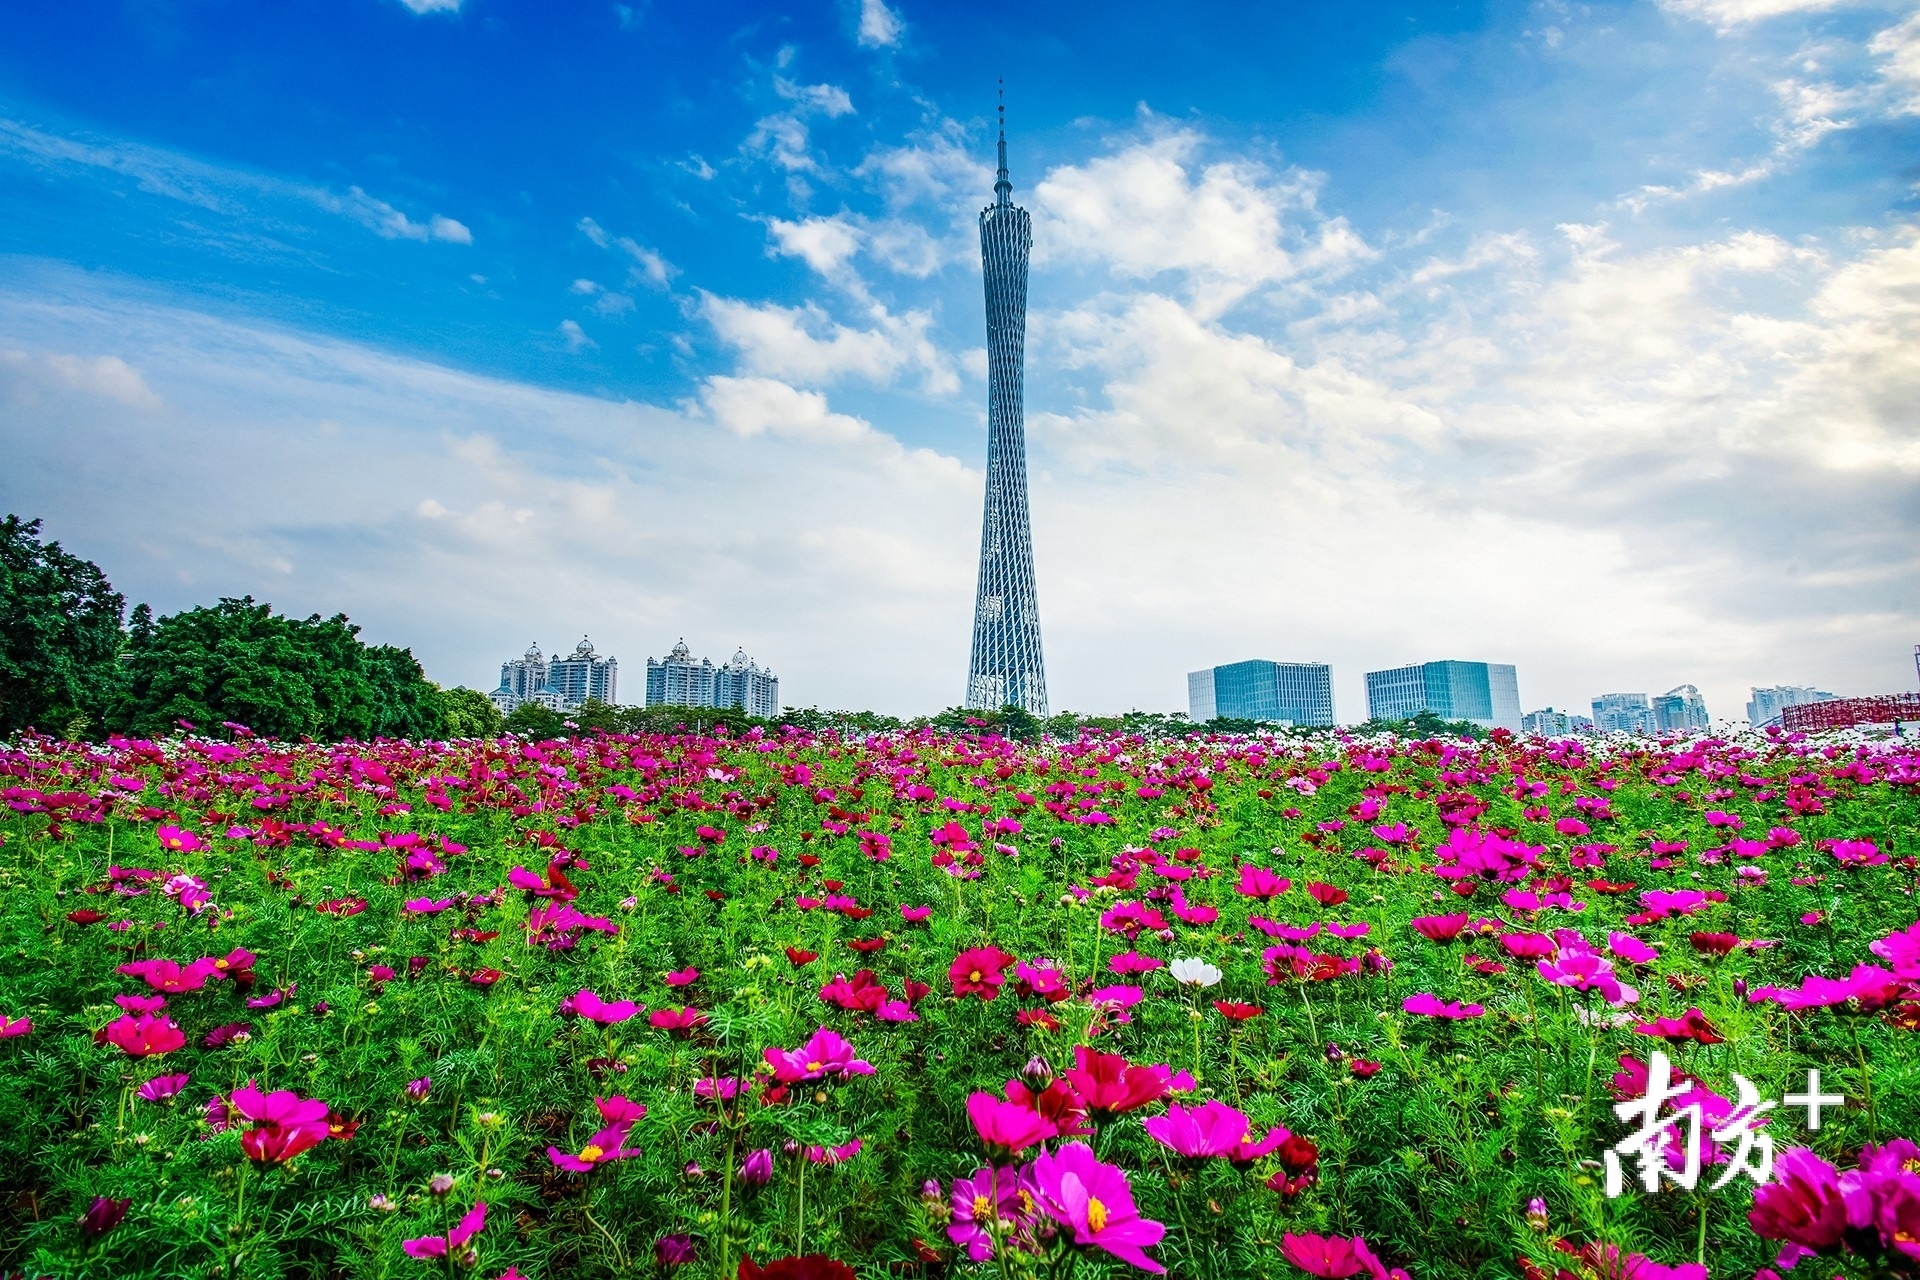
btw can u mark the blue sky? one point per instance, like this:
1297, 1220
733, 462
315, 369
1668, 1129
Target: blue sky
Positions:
1578, 336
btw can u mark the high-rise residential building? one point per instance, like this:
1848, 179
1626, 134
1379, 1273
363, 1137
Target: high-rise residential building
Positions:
1623, 713
1681, 710
559, 684
1291, 693
1005, 668
524, 680
1547, 723
1766, 704
583, 674
740, 684
1485, 693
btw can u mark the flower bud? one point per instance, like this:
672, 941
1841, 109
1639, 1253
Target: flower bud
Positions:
1537, 1214
1037, 1074
440, 1185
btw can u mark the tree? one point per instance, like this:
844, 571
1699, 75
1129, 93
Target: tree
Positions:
531, 720
239, 661
468, 713
59, 633
1424, 724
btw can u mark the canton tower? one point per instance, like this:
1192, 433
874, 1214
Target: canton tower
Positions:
1006, 669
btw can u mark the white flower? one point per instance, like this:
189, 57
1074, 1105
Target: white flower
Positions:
1194, 973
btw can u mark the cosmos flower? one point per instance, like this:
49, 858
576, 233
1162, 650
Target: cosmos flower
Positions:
1094, 1202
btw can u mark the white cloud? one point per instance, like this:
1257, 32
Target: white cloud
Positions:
645, 266
1899, 49
1229, 226
751, 406
782, 139
447, 229
1730, 13
829, 99
575, 337
433, 6
825, 244
880, 27
217, 189
109, 377
804, 344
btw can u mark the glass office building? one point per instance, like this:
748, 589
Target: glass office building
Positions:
1291, 693
1485, 693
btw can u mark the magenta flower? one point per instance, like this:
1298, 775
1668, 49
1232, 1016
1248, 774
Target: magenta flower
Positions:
674, 1250
103, 1215
1586, 971
426, 906
1007, 1126
1805, 1206
11, 1027
454, 1242
142, 1035
1440, 928
681, 1022
161, 1088
757, 1169
170, 976
914, 915
1258, 882
1431, 1006
1095, 1203
1335, 1257
825, 1054
1210, 1129
604, 1147
990, 1198
1901, 950
683, 977
585, 1004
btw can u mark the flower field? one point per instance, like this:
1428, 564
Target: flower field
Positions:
788, 1005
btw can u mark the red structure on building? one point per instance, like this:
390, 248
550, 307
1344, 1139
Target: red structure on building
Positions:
1845, 713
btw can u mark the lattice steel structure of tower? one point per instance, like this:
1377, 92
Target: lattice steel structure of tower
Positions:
1006, 669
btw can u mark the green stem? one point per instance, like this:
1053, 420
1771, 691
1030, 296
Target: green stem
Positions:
1866, 1082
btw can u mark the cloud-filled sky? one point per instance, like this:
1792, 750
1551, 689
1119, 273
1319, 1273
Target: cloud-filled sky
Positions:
1580, 336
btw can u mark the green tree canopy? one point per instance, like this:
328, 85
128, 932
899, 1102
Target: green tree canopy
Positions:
468, 713
281, 677
59, 633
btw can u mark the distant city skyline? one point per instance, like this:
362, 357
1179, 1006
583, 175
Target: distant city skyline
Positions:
1581, 335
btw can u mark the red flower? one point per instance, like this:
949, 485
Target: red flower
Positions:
1713, 944
142, 1035
813, 1266
484, 977
1325, 894
865, 945
978, 972
1110, 1086
798, 958
1236, 1012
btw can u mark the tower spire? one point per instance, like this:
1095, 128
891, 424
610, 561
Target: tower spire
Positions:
1003, 185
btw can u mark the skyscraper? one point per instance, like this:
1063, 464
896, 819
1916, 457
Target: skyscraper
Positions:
1005, 668
1296, 693
1681, 709
1623, 713
1487, 693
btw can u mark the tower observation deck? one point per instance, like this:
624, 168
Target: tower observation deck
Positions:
1006, 668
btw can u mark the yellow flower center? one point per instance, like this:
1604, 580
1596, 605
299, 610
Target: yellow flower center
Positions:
816, 1066
982, 1207
1096, 1215
221, 964
974, 976
590, 1153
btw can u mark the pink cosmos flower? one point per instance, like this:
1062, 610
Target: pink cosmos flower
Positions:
142, 1035
683, 977
1211, 1129
914, 915
1432, 1006
161, 1088
1585, 971
454, 1242
978, 971
1095, 1203
989, 1198
1335, 1257
426, 906
1631, 949
11, 1027
1258, 882
1134, 962
1805, 1206
604, 1147
1440, 928
681, 1022
1901, 950
1005, 1126
826, 1054
585, 1004
169, 975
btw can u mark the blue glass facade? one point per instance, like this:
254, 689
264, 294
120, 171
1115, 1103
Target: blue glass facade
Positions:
1487, 693
1299, 693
